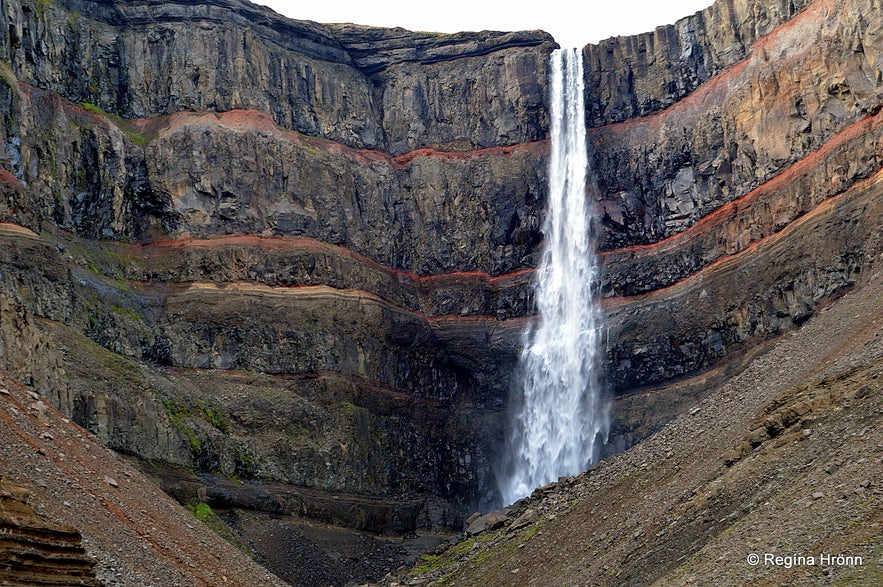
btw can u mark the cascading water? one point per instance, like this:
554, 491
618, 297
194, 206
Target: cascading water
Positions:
562, 418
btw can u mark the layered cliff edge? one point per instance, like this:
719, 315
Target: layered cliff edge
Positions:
302, 254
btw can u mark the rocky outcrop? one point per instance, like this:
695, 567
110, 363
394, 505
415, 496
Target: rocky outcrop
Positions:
34, 284
736, 302
448, 87
287, 185
385, 208
34, 551
760, 213
799, 86
642, 74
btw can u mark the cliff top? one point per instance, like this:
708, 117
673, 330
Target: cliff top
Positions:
369, 48
375, 48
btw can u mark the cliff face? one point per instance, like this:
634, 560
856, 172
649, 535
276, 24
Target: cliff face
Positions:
779, 148
304, 253
146, 59
363, 203
775, 456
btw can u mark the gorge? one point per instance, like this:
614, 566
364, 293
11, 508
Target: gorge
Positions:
284, 268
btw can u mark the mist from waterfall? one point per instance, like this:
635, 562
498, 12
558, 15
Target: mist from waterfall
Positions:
562, 418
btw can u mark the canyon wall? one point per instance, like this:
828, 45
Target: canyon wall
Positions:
300, 253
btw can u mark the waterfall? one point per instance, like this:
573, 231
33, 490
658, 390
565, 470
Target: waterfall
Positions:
562, 418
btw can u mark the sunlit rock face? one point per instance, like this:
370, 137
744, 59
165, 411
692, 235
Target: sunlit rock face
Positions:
328, 234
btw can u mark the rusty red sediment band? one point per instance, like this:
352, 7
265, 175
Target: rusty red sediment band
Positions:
518, 277
742, 203
286, 243
733, 258
717, 218
705, 224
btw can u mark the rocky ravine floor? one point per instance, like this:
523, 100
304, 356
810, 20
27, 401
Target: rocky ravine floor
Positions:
138, 535
783, 459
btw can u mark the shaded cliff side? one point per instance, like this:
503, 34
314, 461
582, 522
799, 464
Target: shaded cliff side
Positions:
95, 152
780, 461
276, 250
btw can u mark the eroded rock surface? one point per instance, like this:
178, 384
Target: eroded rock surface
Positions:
33, 550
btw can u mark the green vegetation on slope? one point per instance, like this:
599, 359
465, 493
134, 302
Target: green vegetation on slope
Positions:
123, 124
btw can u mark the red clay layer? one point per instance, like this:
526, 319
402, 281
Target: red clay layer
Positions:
705, 224
711, 89
609, 303
245, 120
245, 288
441, 321
735, 257
286, 243
716, 218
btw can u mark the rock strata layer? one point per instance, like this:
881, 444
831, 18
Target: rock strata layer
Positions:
34, 551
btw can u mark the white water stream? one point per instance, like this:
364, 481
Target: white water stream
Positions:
562, 417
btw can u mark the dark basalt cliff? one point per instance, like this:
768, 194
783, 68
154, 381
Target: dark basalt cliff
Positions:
365, 196
299, 253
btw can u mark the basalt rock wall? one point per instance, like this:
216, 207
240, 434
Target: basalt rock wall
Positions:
345, 180
146, 58
799, 85
314, 245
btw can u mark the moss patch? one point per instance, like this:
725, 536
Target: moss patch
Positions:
99, 258
211, 413
42, 7
204, 513
123, 124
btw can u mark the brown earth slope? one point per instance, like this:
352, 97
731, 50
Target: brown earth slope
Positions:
137, 534
783, 459
34, 551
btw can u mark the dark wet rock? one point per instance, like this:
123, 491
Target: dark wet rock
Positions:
488, 522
